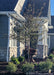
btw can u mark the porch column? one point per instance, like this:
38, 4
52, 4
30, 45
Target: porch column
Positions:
42, 46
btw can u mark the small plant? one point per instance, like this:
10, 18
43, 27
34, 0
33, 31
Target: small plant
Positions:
36, 66
11, 67
15, 60
21, 58
45, 66
51, 56
52, 50
28, 67
53, 67
53, 59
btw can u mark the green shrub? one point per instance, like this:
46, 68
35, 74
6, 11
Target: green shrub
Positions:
41, 66
36, 64
15, 60
53, 59
45, 66
52, 50
21, 58
36, 68
27, 67
51, 56
53, 67
11, 67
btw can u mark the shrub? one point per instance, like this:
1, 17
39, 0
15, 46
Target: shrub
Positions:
27, 67
41, 66
53, 67
21, 58
53, 59
45, 66
15, 60
35, 64
52, 50
36, 67
51, 56
11, 67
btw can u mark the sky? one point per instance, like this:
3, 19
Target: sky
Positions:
52, 7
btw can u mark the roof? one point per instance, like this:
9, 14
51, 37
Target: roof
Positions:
37, 7
7, 5
52, 20
52, 23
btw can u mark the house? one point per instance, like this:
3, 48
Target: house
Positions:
9, 16
12, 12
41, 11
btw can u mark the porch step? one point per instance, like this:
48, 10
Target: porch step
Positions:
3, 66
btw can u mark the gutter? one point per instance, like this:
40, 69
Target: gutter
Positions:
17, 16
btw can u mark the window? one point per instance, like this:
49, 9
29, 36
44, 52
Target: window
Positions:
48, 41
13, 42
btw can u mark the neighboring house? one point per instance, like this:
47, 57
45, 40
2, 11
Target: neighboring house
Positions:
9, 15
12, 12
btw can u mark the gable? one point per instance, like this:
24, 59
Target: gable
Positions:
37, 7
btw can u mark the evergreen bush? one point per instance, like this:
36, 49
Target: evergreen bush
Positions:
51, 56
21, 58
45, 66
11, 67
53, 68
15, 60
28, 67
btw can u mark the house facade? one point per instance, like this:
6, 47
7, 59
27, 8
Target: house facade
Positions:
9, 16
12, 12
42, 14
